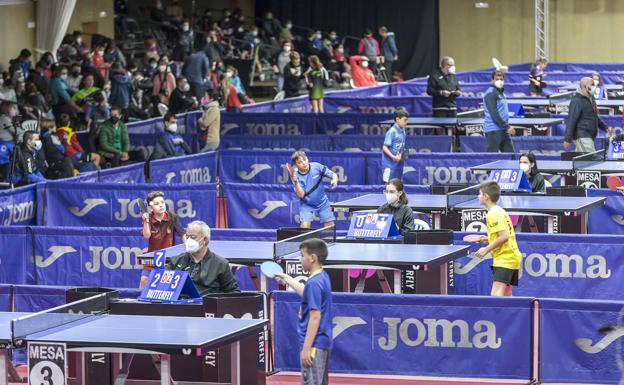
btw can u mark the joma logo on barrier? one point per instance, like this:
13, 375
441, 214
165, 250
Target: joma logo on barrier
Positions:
445, 175
269, 206
194, 175
341, 324
256, 169
553, 265
381, 129
89, 204
17, 213
113, 258
338, 170
56, 252
587, 345
183, 208
437, 333
273, 129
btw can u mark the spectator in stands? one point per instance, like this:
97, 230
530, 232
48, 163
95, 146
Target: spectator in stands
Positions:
34, 102
181, 98
22, 63
97, 59
232, 73
309, 48
170, 143
271, 27
293, 76
343, 67
97, 113
81, 159
78, 43
86, 93
333, 37
175, 12
59, 165
88, 68
389, 50
206, 20
31, 160
38, 77
231, 102
536, 76
47, 60
151, 51
157, 13
286, 33
112, 54
74, 79
7, 91
164, 83
583, 119
318, 40
7, 130
360, 71
213, 48
195, 70
369, 47
139, 107
496, 121
150, 69
280, 61
184, 45
315, 77
62, 103
444, 89
121, 87
210, 123
226, 23
600, 93
114, 142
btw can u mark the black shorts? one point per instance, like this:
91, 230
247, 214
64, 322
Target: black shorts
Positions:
504, 275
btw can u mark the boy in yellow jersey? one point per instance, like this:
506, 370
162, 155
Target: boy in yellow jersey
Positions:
501, 241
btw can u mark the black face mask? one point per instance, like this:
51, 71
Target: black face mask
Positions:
114, 119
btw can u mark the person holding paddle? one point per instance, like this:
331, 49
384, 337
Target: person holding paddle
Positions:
159, 227
308, 182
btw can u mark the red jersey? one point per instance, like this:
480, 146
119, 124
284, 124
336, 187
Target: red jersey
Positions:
163, 233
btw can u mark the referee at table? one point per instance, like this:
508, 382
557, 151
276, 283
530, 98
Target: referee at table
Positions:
209, 272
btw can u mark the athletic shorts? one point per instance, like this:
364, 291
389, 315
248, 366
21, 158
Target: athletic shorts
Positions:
392, 173
504, 275
317, 374
145, 273
306, 213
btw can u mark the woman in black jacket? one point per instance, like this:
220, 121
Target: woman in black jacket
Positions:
397, 206
528, 164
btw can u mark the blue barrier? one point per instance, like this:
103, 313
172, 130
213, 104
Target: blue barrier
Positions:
191, 169
609, 216
416, 335
132, 173
6, 292
17, 206
572, 350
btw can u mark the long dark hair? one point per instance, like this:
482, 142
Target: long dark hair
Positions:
531, 157
398, 184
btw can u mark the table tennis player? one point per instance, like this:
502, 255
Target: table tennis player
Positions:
396, 204
209, 272
307, 180
528, 164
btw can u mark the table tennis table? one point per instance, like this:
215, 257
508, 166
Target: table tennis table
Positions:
125, 336
560, 104
575, 86
349, 255
438, 205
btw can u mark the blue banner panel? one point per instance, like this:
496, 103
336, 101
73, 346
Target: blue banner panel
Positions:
553, 265
117, 205
132, 173
146, 142
572, 350
267, 124
187, 124
413, 143
264, 142
438, 168
537, 144
608, 218
82, 256
190, 169
468, 90
270, 167
362, 92
385, 105
416, 335
17, 206
5, 297
16, 251
38, 298
350, 123
258, 107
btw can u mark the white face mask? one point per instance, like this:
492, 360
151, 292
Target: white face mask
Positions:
228, 74
287, 48
64, 76
162, 68
186, 88
365, 64
499, 83
591, 90
173, 127
185, 28
38, 145
391, 198
596, 82
191, 245
451, 70
525, 167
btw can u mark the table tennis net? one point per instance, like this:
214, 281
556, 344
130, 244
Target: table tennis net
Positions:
59, 316
460, 196
589, 159
291, 245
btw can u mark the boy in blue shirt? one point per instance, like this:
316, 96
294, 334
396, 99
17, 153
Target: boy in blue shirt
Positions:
394, 154
308, 182
315, 313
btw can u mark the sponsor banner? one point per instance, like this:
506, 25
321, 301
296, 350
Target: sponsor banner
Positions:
270, 206
133, 173
5, 297
553, 265
570, 338
259, 107
267, 124
190, 169
416, 143
17, 206
608, 218
16, 251
437, 168
536, 144
416, 335
147, 142
379, 105
117, 205
270, 167
350, 123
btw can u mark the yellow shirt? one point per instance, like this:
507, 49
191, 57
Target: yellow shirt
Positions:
507, 255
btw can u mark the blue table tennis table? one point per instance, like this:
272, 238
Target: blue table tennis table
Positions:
437, 205
126, 335
351, 255
560, 104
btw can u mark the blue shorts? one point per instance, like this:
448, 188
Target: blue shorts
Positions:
306, 213
145, 273
391, 173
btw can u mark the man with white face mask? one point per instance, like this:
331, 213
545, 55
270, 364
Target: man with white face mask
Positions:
31, 163
496, 119
444, 89
159, 228
181, 98
583, 119
209, 272
170, 143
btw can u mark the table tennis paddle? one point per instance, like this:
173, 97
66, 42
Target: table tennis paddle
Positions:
270, 268
613, 182
142, 205
474, 238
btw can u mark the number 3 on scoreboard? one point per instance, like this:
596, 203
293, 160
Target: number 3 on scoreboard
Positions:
176, 280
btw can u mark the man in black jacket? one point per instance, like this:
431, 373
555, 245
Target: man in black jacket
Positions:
209, 272
583, 119
444, 89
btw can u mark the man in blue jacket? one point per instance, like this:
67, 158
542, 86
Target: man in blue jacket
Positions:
195, 70
170, 144
389, 50
496, 122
